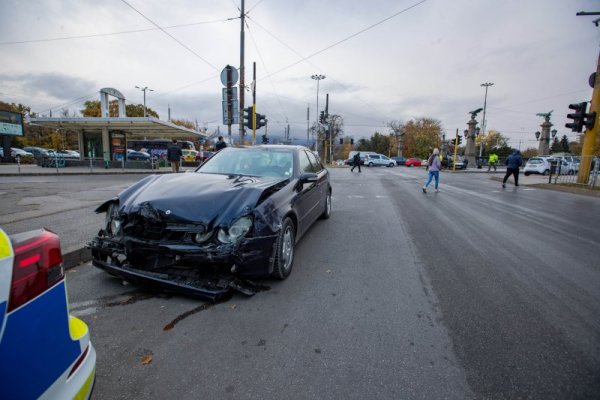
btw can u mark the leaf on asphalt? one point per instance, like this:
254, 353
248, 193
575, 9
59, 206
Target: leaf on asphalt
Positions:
328, 271
233, 306
147, 359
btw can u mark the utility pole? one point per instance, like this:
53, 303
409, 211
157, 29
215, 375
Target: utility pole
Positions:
253, 103
143, 89
307, 125
487, 84
242, 69
589, 137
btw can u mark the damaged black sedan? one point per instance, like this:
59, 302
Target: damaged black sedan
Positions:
207, 232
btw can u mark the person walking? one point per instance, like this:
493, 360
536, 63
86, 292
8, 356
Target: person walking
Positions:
492, 162
355, 162
220, 144
433, 166
513, 162
174, 154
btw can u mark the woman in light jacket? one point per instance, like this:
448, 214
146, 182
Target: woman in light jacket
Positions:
433, 166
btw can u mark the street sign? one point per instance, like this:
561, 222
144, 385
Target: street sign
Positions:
235, 112
234, 75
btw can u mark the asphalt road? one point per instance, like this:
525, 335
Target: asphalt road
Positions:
472, 292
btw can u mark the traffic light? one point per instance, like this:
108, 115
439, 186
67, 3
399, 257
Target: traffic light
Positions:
578, 116
351, 141
341, 141
322, 117
260, 120
589, 120
248, 117
459, 140
265, 139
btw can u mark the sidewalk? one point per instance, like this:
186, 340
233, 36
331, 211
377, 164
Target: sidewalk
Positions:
36, 170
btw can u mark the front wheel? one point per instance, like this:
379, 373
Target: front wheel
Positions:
546, 172
526, 173
327, 212
370, 164
284, 250
391, 165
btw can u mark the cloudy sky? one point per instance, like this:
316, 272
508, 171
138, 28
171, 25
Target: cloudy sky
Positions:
384, 60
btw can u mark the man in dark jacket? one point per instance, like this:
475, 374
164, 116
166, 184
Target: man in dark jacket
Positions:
220, 144
174, 155
513, 162
355, 162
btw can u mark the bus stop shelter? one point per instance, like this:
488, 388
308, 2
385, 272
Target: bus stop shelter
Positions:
106, 137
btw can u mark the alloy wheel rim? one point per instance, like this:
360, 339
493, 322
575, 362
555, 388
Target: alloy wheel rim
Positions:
287, 249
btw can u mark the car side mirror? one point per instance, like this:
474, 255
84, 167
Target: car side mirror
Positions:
308, 177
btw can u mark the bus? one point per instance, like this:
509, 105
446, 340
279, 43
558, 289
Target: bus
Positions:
158, 147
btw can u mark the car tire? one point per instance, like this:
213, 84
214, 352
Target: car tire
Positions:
391, 165
546, 172
526, 173
284, 250
327, 212
370, 164
409, 165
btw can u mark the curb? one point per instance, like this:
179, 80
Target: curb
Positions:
76, 256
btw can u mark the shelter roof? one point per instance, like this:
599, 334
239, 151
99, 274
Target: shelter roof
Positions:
144, 126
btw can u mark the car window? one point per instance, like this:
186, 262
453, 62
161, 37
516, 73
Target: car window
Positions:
252, 162
305, 164
316, 164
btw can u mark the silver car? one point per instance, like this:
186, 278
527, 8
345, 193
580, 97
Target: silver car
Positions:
372, 160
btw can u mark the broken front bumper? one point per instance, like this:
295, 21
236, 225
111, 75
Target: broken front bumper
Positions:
212, 271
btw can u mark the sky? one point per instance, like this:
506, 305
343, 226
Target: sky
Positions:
383, 60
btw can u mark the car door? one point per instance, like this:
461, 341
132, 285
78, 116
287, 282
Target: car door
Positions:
322, 183
307, 197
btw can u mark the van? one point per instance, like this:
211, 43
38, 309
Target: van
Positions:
362, 155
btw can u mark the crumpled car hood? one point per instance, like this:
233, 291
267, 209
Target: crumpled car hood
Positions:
208, 198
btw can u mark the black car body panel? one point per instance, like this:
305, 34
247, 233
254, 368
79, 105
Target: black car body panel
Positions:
161, 215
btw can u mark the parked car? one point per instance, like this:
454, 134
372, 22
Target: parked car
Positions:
18, 154
537, 165
69, 154
45, 353
37, 152
138, 156
239, 215
413, 162
189, 155
448, 162
399, 160
378, 160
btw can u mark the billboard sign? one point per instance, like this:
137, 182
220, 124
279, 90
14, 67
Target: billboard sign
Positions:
11, 123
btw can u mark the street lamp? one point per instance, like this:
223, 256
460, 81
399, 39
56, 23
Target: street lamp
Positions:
487, 84
318, 78
143, 89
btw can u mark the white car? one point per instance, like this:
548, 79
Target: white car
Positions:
537, 165
378, 159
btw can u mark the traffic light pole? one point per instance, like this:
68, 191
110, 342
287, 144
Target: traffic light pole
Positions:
589, 138
455, 150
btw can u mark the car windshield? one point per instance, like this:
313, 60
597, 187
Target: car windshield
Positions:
536, 161
250, 161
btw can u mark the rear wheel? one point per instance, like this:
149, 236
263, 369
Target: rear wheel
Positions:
526, 173
546, 172
370, 164
284, 250
391, 165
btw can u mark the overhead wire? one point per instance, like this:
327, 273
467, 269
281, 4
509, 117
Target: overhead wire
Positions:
93, 35
168, 34
348, 37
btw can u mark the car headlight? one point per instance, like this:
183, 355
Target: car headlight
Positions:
112, 223
115, 227
236, 231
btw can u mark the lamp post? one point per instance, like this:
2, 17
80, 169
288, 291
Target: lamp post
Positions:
487, 84
143, 89
318, 78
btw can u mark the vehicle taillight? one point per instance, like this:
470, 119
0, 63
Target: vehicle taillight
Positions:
37, 265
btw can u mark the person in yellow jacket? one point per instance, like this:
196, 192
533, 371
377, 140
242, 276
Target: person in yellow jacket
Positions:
492, 161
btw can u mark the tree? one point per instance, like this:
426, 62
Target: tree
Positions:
92, 109
555, 148
564, 144
183, 122
335, 123
397, 137
528, 153
492, 140
421, 136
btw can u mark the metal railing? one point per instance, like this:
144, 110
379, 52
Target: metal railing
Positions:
565, 172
